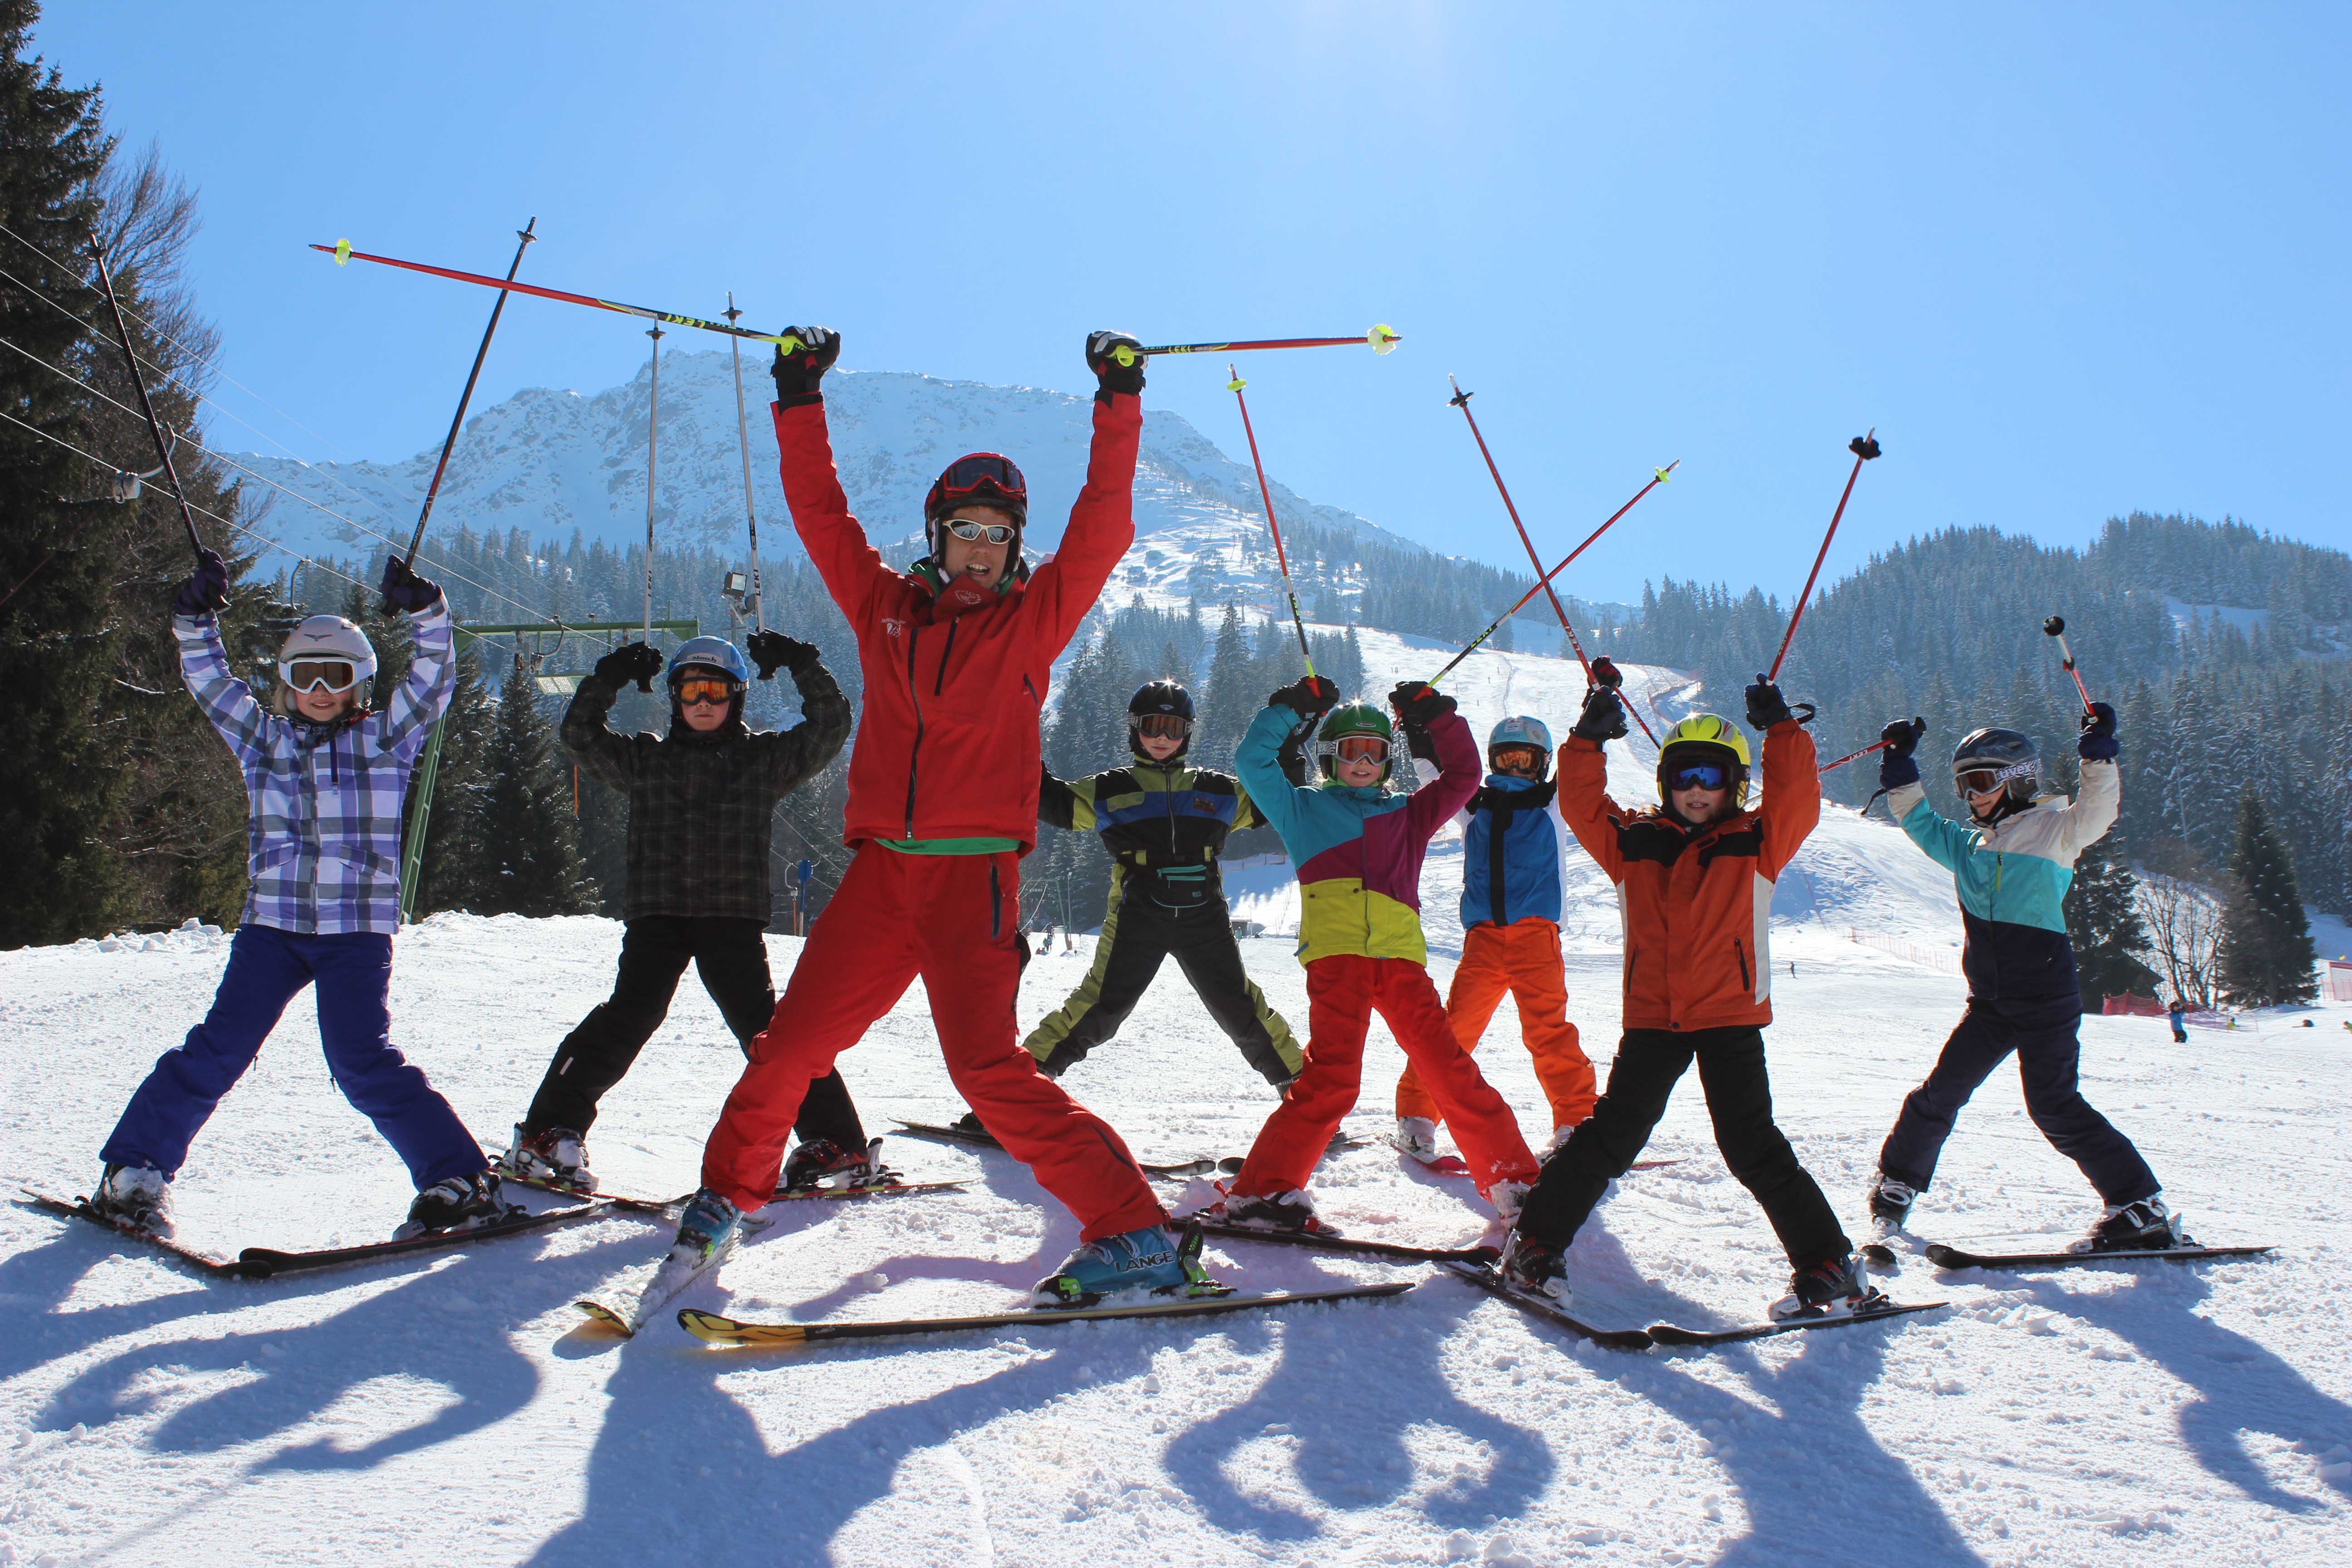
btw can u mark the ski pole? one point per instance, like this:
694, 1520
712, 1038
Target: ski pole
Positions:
653, 455
1381, 339
743, 442
2056, 626
416, 540
1266, 495
342, 252
1863, 447
1460, 400
146, 405
1850, 756
1659, 477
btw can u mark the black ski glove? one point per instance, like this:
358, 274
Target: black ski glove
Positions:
1766, 706
2098, 742
1292, 758
1604, 718
1102, 358
1310, 696
207, 593
1896, 767
405, 590
772, 651
800, 367
1606, 673
1420, 704
634, 662
1419, 741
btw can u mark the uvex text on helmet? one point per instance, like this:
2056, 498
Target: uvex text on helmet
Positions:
1991, 756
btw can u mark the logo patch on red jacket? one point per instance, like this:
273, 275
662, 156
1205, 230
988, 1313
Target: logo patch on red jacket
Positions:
893, 626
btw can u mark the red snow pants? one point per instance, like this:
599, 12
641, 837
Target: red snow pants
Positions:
1522, 959
954, 920
1343, 992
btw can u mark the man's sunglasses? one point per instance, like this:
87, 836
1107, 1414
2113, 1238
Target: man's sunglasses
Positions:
705, 689
1698, 776
1362, 749
964, 527
315, 674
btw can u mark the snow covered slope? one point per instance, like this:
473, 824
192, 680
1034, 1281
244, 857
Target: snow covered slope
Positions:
451, 1411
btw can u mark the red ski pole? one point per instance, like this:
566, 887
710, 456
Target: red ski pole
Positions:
1380, 338
1266, 495
1863, 448
2056, 626
1460, 400
1850, 756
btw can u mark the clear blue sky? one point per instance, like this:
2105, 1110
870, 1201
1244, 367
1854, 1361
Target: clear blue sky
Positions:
2070, 261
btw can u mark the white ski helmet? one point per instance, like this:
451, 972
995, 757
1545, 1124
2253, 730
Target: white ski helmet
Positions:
325, 639
1523, 729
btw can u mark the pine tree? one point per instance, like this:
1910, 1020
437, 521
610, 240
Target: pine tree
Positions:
451, 872
2266, 955
1232, 701
2103, 922
529, 846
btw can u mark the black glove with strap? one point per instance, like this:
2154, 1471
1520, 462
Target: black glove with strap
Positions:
772, 651
1420, 704
800, 365
1310, 696
1604, 718
1895, 765
207, 593
634, 662
405, 590
2098, 740
1766, 706
1103, 359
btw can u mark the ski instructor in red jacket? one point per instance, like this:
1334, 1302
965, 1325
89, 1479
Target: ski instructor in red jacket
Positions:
956, 653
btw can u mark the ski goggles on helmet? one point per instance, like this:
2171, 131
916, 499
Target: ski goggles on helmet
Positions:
1163, 726
1362, 749
714, 689
982, 477
1984, 781
1698, 776
336, 675
964, 527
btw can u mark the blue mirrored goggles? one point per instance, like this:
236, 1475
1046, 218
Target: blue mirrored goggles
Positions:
1698, 776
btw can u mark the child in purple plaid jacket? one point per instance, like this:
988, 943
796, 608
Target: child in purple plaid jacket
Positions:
325, 778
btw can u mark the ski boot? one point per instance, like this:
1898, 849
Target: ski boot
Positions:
136, 1195
817, 1163
554, 1156
1890, 1201
1832, 1287
1416, 1139
2144, 1225
970, 1122
1290, 1209
708, 1226
1536, 1269
457, 1203
1139, 1260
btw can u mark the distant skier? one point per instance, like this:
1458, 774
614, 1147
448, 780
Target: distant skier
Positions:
957, 654
702, 805
1164, 825
1694, 877
1359, 852
1512, 841
2178, 1015
325, 778
2012, 865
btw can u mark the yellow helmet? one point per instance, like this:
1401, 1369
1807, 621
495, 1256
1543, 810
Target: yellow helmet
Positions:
1704, 737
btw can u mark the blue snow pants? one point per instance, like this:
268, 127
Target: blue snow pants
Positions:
2049, 1052
267, 968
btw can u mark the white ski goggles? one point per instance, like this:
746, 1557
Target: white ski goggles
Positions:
334, 675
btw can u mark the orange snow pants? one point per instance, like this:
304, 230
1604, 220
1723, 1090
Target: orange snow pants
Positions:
953, 920
1523, 959
1343, 992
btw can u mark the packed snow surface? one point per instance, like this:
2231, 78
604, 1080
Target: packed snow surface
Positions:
454, 1409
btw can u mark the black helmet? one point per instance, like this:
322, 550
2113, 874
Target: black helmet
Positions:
2005, 757
1161, 697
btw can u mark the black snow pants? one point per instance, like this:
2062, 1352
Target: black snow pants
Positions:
1138, 932
2049, 1050
1650, 1062
732, 957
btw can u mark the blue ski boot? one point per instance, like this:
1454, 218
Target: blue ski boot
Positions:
1139, 1260
708, 1227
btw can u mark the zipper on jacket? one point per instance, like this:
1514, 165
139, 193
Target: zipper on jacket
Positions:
996, 903
1740, 950
940, 685
1631, 954
915, 699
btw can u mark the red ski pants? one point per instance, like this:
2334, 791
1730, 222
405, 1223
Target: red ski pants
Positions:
1343, 992
1522, 959
954, 920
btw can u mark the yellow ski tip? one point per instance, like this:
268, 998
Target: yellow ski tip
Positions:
712, 1329
1382, 338
342, 252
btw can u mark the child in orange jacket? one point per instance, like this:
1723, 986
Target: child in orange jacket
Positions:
1694, 877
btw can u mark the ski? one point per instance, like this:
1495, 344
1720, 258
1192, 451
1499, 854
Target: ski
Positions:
1177, 1169
712, 1329
1944, 1256
269, 1262
1669, 1334
1454, 1165
646, 1291
663, 1208
887, 1190
1484, 1277
1335, 1243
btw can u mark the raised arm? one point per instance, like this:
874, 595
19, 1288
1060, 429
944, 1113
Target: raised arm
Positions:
850, 565
799, 753
609, 757
1458, 778
1793, 794
1585, 805
423, 695
225, 700
1101, 527
1257, 763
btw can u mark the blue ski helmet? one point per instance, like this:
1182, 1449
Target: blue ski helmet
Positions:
1520, 729
710, 653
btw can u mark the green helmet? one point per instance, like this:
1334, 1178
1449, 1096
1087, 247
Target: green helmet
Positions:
1353, 719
